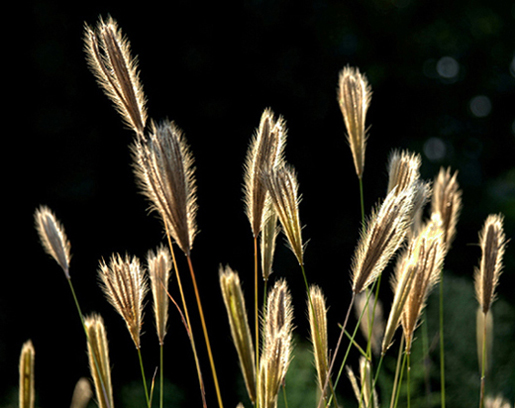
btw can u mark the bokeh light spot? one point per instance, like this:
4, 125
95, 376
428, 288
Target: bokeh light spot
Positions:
435, 149
480, 106
447, 67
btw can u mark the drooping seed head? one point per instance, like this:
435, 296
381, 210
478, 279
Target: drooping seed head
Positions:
109, 58
164, 169
381, 237
428, 254
159, 269
53, 238
237, 313
266, 152
98, 356
283, 188
493, 244
125, 286
354, 95
446, 203
27, 392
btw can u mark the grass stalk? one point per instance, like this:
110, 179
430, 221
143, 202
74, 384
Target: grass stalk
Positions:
143, 377
161, 374
442, 347
256, 307
483, 366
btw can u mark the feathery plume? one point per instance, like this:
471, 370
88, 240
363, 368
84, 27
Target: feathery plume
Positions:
318, 333
26, 370
164, 169
159, 269
372, 322
82, 394
53, 237
354, 95
268, 238
277, 347
98, 355
264, 154
363, 391
497, 402
109, 58
428, 255
403, 169
282, 185
446, 203
493, 243
237, 313
124, 285
381, 237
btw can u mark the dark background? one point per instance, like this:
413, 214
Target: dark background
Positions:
213, 67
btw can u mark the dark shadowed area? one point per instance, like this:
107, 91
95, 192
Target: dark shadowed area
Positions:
443, 82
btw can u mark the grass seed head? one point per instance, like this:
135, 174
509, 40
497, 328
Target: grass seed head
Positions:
354, 95
164, 169
109, 58
82, 394
53, 238
318, 333
27, 392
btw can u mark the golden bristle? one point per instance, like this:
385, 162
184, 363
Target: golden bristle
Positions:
284, 193
372, 322
354, 95
53, 238
446, 203
82, 394
26, 372
277, 344
125, 286
403, 169
109, 58
164, 169
99, 365
428, 254
240, 331
318, 333
363, 390
381, 237
264, 154
493, 243
269, 234
159, 269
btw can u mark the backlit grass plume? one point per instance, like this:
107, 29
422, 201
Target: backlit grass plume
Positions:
277, 344
164, 169
269, 234
125, 286
493, 243
53, 238
446, 203
264, 154
284, 191
318, 333
426, 255
26, 371
99, 365
363, 390
237, 313
109, 58
381, 237
159, 269
354, 95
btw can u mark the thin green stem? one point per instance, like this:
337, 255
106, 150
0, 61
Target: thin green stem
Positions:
143, 377
409, 378
161, 375
362, 201
398, 377
256, 308
442, 348
483, 365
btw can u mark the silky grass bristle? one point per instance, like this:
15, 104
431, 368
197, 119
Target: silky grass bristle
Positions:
26, 372
277, 344
265, 153
381, 237
354, 95
159, 269
493, 244
98, 355
403, 169
125, 286
164, 169
53, 238
363, 390
237, 313
284, 191
318, 333
428, 255
109, 58
446, 203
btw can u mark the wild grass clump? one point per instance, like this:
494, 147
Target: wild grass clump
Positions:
412, 228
